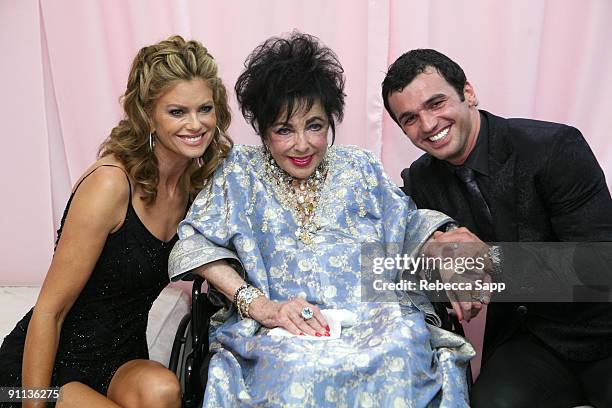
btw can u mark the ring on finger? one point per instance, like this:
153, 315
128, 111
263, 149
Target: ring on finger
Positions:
307, 313
481, 296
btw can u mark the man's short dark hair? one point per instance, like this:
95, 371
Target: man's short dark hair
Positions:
403, 71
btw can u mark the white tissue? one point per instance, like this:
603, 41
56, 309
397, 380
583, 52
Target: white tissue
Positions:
336, 318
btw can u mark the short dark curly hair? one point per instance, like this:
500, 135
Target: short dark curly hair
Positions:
288, 74
415, 62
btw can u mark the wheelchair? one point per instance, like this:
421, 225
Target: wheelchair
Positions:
190, 351
190, 354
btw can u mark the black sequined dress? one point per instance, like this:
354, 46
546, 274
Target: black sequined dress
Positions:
106, 326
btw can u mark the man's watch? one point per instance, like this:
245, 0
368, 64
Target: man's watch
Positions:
495, 254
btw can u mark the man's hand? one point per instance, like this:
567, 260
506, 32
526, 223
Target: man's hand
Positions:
462, 244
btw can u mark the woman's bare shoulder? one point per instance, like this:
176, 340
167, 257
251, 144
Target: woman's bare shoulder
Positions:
107, 179
107, 169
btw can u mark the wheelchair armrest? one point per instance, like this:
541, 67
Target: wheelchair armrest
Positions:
197, 361
178, 340
201, 311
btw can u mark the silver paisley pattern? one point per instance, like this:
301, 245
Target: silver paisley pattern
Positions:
389, 358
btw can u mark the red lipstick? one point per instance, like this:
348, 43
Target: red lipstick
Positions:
301, 161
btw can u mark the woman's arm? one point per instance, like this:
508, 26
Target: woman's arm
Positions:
265, 311
97, 209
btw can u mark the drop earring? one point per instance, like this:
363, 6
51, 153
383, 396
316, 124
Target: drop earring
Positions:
151, 142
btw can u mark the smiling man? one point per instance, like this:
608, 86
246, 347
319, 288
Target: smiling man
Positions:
511, 180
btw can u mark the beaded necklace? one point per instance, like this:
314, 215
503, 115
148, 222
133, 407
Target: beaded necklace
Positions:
300, 196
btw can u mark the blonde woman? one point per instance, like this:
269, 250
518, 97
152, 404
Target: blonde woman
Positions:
86, 332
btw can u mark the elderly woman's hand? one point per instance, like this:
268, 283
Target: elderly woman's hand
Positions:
289, 316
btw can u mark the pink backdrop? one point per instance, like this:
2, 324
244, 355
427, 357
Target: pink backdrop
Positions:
65, 63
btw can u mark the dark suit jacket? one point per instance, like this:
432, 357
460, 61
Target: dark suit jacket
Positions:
545, 185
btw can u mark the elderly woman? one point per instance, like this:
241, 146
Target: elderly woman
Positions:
278, 235
86, 333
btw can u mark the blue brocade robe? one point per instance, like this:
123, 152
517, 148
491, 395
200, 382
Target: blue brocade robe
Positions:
390, 357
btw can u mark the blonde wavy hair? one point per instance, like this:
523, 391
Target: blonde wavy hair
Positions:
155, 69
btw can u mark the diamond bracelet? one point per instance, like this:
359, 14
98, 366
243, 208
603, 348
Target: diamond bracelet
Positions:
244, 297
